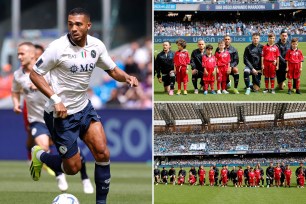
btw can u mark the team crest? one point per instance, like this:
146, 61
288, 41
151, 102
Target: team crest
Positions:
62, 149
93, 54
73, 69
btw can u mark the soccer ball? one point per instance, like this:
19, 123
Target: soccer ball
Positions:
65, 198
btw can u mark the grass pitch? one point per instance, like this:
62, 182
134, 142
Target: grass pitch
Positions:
168, 194
131, 183
281, 95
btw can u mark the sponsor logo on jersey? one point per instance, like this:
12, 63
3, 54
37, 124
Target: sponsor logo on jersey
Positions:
93, 54
73, 69
87, 67
39, 62
70, 56
62, 149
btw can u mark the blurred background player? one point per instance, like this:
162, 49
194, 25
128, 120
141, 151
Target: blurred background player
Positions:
288, 174
283, 45
257, 176
211, 176
193, 171
246, 176
196, 65
172, 175
216, 174
240, 176
156, 175
294, 58
270, 62
251, 177
182, 172
282, 179
180, 179
234, 62
301, 178
201, 173
261, 174
297, 172
252, 61
164, 68
181, 61
164, 176
192, 179
224, 176
233, 176
223, 62
270, 175
209, 65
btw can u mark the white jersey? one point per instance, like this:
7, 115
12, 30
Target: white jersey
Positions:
70, 68
34, 98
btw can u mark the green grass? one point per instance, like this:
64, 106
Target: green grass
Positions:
131, 183
205, 194
281, 95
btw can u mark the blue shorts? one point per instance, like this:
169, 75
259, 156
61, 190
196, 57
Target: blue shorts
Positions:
38, 128
64, 132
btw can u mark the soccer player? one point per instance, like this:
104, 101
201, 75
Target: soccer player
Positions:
164, 176
180, 179
224, 176
172, 174
252, 177
233, 176
211, 175
70, 61
193, 171
294, 58
261, 174
252, 61
270, 62
181, 61
156, 175
297, 171
216, 174
201, 173
164, 68
223, 62
246, 176
182, 172
196, 65
282, 179
192, 179
283, 45
288, 174
301, 178
257, 176
277, 175
270, 175
234, 62
240, 174
210, 69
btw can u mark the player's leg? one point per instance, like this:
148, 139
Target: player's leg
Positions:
235, 73
219, 79
95, 139
166, 82
223, 82
172, 81
246, 76
87, 186
194, 79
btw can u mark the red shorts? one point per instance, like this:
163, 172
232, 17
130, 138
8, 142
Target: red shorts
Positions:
277, 178
181, 74
211, 179
224, 179
209, 76
269, 70
294, 71
222, 73
239, 179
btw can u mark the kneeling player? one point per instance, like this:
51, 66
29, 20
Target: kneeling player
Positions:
301, 178
211, 176
180, 180
172, 175
288, 174
294, 58
210, 69
192, 180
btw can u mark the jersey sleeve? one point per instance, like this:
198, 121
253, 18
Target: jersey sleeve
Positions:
16, 86
47, 60
105, 62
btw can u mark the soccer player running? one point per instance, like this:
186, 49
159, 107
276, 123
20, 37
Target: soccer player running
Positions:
240, 174
270, 175
196, 65
288, 174
156, 175
252, 61
181, 61
223, 62
70, 61
209, 64
234, 62
283, 45
270, 62
294, 58
164, 68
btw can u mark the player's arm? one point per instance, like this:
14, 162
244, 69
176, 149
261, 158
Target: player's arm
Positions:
16, 102
246, 56
157, 68
277, 63
192, 60
122, 76
235, 59
262, 63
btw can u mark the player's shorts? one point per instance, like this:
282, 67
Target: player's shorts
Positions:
239, 179
38, 128
294, 71
277, 177
166, 79
66, 131
210, 76
269, 70
222, 73
181, 75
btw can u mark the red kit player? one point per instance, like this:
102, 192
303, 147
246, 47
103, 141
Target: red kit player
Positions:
181, 60
192, 179
252, 177
180, 180
257, 176
277, 175
301, 178
240, 174
211, 175
224, 177
202, 175
209, 64
288, 174
294, 58
270, 62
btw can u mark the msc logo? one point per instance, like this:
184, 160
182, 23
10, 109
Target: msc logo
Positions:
73, 69
87, 67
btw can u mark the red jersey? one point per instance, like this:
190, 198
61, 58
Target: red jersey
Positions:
257, 173
211, 173
191, 179
240, 173
288, 173
252, 175
224, 173
277, 172
223, 58
294, 56
270, 53
181, 58
209, 62
201, 172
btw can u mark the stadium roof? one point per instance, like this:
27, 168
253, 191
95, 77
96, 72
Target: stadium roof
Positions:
205, 112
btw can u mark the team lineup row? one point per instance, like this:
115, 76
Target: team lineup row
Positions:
280, 175
279, 60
